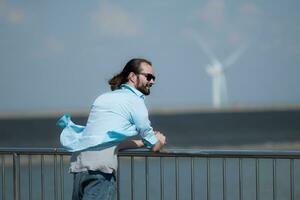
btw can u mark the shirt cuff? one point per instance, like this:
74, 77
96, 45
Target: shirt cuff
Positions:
149, 142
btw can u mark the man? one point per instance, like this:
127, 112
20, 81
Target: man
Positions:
114, 118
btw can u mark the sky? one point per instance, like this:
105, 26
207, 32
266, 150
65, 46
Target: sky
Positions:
58, 55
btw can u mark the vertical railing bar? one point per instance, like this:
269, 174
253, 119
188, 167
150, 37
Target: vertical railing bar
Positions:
118, 180
42, 177
161, 178
192, 179
208, 178
16, 175
257, 178
30, 176
147, 178
224, 178
177, 178
292, 178
274, 179
132, 177
61, 175
3, 177
55, 177
240, 179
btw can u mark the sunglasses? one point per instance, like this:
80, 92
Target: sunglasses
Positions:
149, 77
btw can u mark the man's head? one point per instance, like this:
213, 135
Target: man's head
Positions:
137, 73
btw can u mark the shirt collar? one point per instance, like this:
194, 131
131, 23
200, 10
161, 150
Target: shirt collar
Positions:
134, 90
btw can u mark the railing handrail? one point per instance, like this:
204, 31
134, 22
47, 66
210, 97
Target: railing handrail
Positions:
213, 153
4, 150
170, 152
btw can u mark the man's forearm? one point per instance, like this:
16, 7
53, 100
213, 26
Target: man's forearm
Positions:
130, 144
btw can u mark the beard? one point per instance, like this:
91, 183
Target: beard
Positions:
143, 88
146, 91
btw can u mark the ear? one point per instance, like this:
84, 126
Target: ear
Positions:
132, 77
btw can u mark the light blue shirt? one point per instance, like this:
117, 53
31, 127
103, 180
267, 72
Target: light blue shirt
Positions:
114, 117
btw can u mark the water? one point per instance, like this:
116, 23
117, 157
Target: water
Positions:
185, 130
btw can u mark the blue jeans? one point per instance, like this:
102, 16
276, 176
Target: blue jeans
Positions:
94, 185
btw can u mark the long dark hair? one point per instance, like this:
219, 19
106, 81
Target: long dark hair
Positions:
132, 66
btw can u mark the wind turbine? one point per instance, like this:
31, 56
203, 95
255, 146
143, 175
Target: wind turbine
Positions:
216, 71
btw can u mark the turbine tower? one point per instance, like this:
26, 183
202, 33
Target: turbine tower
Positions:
219, 85
216, 71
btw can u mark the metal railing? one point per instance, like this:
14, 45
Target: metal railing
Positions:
34, 173
173, 174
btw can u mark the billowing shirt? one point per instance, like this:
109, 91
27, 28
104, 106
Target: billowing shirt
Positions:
114, 117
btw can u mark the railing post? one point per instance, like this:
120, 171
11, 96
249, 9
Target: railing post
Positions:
16, 176
3, 176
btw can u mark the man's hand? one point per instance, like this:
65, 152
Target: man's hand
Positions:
161, 141
161, 138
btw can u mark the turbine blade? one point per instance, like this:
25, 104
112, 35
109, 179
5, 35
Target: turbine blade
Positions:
235, 56
197, 37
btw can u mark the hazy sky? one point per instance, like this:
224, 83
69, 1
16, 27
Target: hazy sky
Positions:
58, 55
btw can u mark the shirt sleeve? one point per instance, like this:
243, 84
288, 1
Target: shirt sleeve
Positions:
142, 123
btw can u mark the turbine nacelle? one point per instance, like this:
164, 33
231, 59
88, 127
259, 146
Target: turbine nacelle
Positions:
214, 69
